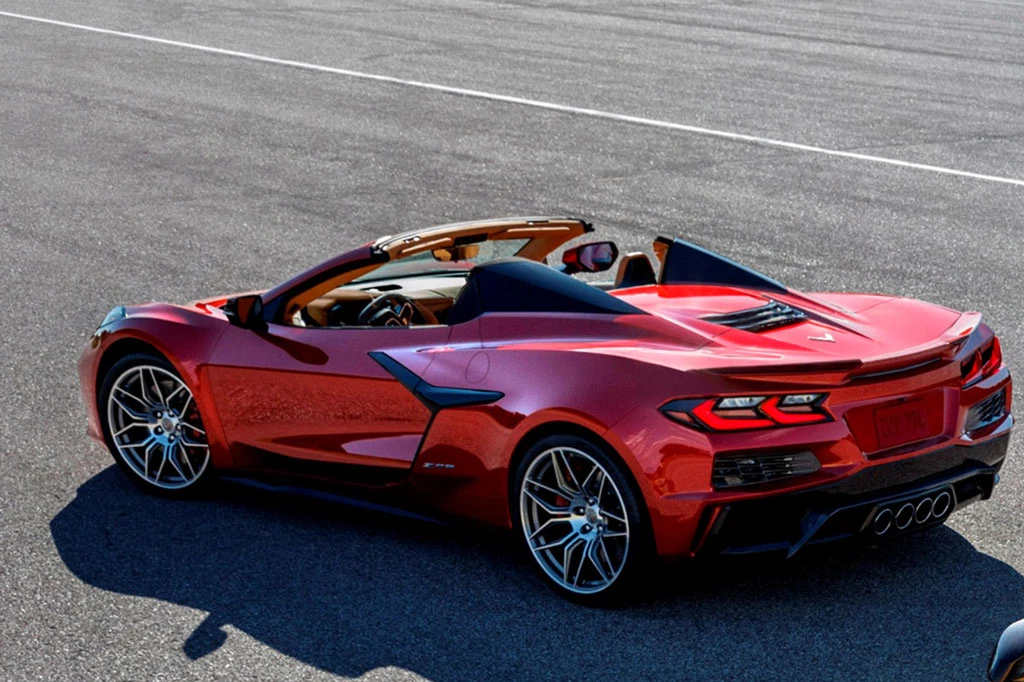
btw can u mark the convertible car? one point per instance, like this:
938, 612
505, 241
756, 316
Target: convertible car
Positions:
690, 407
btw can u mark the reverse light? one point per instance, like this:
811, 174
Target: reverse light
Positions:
800, 399
739, 403
742, 413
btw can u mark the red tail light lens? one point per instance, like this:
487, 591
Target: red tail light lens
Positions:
982, 363
994, 359
731, 419
743, 413
970, 369
791, 416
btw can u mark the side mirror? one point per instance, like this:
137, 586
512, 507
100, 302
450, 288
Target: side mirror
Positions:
1007, 664
594, 257
246, 312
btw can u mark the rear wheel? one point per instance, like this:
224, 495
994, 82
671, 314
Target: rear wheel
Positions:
581, 520
153, 427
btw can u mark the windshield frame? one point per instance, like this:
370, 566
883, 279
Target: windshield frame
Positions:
544, 235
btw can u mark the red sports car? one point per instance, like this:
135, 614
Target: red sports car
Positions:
690, 407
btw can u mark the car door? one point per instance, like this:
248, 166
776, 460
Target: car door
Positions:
313, 401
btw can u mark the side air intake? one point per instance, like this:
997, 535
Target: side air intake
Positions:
774, 314
731, 471
988, 411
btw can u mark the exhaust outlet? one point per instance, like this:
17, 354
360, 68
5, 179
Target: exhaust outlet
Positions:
923, 511
905, 516
915, 512
882, 522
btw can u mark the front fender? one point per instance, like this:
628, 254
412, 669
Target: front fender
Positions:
184, 337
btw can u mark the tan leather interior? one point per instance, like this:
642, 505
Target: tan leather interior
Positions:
545, 235
318, 308
355, 300
457, 253
632, 263
660, 247
303, 298
427, 307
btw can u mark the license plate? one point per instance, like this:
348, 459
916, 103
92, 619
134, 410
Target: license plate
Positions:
903, 423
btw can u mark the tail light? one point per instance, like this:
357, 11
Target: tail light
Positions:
743, 413
982, 363
992, 360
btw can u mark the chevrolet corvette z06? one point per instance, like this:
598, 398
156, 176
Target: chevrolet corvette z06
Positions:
690, 407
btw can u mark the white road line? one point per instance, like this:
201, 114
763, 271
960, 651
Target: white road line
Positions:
538, 104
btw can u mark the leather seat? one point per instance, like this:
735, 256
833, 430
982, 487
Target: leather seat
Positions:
635, 270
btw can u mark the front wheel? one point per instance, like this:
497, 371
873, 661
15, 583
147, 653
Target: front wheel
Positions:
581, 519
153, 427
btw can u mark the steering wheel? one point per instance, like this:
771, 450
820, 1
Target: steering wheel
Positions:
389, 310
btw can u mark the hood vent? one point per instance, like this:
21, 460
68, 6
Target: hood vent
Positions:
769, 316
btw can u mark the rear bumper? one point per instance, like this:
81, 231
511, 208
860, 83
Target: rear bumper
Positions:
848, 508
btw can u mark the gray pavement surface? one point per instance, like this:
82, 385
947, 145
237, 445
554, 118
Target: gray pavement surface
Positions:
131, 171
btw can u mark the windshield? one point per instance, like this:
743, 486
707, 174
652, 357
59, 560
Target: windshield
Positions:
434, 262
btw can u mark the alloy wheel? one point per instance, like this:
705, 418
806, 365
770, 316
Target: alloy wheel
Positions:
574, 520
155, 427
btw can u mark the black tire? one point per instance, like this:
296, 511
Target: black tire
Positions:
609, 567
179, 449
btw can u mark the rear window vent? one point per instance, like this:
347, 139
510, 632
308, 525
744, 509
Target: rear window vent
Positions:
774, 314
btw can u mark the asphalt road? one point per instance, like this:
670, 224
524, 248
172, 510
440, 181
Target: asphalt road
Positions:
134, 171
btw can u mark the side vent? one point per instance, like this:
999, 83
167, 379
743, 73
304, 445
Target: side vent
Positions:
988, 411
733, 471
774, 314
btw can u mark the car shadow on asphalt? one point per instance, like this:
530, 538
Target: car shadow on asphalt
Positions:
350, 591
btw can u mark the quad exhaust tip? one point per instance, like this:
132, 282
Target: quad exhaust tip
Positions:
905, 516
933, 507
882, 522
923, 510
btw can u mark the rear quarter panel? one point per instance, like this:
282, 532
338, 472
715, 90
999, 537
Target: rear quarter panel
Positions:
552, 370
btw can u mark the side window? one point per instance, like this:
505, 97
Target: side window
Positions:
410, 304
417, 290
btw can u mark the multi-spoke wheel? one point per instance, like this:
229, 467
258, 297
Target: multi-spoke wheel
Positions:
153, 425
579, 517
